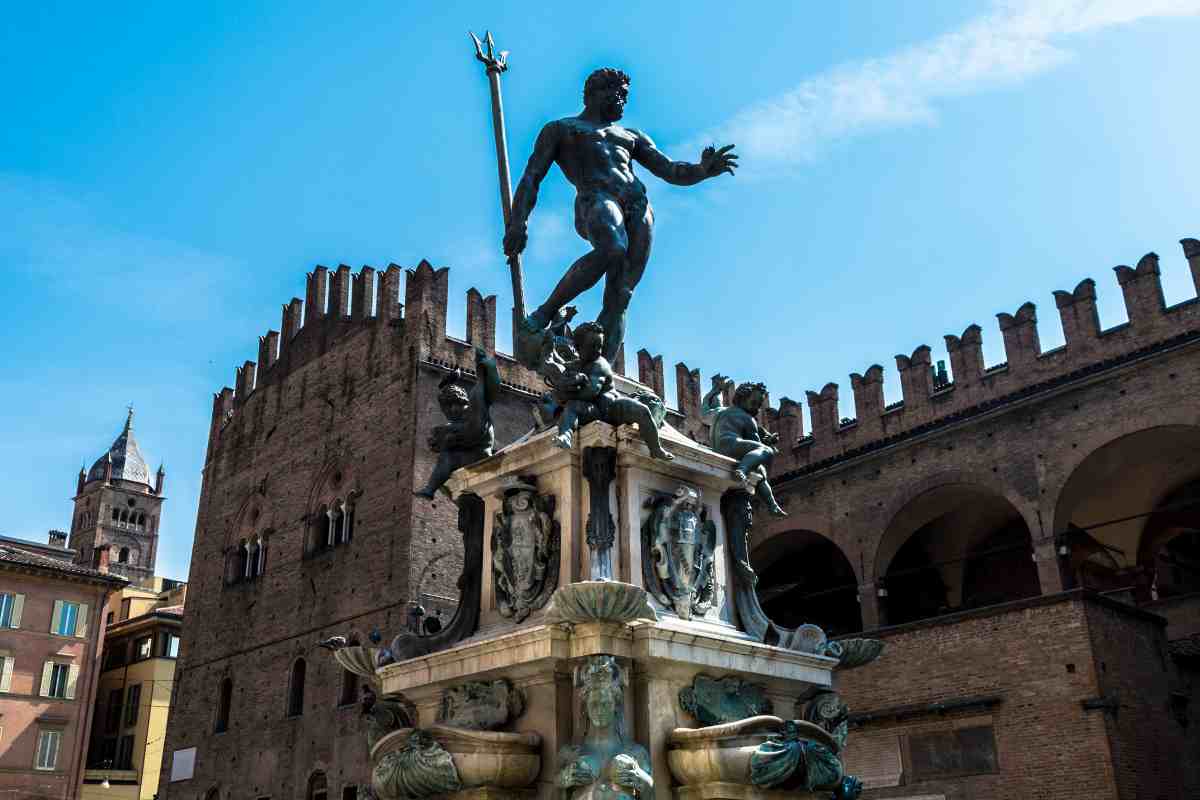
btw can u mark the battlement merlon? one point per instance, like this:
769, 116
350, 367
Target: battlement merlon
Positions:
974, 384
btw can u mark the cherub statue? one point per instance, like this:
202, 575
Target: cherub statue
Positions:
583, 388
737, 434
468, 435
606, 765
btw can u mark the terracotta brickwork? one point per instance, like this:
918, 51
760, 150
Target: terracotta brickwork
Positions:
336, 411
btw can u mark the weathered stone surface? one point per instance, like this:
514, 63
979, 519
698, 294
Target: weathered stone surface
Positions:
678, 542
525, 550
599, 601
481, 705
604, 762
713, 701
410, 763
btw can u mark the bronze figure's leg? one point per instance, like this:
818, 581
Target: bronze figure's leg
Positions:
623, 277
566, 425
605, 226
625, 411
441, 473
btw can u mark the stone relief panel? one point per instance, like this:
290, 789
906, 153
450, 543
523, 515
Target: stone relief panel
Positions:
525, 548
678, 542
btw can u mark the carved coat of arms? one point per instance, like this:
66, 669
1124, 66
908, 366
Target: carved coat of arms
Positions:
678, 541
525, 547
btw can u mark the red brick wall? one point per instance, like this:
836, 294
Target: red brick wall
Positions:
1047, 744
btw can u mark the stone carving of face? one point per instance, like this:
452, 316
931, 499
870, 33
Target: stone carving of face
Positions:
601, 705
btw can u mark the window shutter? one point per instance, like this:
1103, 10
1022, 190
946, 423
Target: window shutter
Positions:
6, 668
81, 624
72, 679
47, 672
18, 607
56, 620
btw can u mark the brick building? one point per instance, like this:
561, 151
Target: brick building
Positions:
51, 615
1022, 535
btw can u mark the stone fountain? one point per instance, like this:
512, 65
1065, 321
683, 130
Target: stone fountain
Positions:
610, 652
608, 641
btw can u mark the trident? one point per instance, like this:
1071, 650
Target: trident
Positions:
496, 64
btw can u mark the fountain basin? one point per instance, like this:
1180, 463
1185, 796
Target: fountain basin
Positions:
481, 758
721, 753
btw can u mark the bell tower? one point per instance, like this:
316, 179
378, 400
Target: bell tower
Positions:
117, 504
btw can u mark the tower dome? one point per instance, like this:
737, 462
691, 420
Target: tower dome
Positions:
128, 464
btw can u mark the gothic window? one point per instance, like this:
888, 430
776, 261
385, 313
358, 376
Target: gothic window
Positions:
337, 524
224, 702
235, 571
296, 689
141, 521
318, 787
116, 515
254, 561
123, 556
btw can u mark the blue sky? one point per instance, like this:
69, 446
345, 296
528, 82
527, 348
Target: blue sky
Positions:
168, 174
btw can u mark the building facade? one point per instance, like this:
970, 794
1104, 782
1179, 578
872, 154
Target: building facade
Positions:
1020, 535
51, 617
133, 701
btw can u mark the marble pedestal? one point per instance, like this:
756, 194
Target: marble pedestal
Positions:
659, 656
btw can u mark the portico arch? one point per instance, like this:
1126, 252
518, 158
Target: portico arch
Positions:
1124, 502
952, 546
805, 577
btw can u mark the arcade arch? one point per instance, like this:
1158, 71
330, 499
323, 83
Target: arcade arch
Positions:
953, 547
1128, 516
805, 577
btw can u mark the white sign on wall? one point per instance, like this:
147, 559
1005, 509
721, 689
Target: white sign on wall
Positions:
183, 763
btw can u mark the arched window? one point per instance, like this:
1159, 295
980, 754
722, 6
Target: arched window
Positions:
321, 529
236, 570
116, 515
224, 703
255, 563
296, 689
318, 787
141, 520
349, 693
124, 518
349, 519
337, 523
123, 556
213, 794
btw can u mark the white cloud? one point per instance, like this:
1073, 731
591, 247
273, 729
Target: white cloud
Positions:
1013, 42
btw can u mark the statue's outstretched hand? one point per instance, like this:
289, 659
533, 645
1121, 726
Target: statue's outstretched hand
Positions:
713, 161
515, 237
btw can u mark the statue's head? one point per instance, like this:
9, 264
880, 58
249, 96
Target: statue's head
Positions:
589, 340
750, 397
454, 402
605, 92
601, 694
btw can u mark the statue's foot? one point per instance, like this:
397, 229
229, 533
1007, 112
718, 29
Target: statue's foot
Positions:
776, 511
428, 495
662, 455
740, 477
562, 440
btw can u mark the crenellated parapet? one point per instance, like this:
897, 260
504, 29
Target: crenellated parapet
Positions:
341, 301
975, 387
